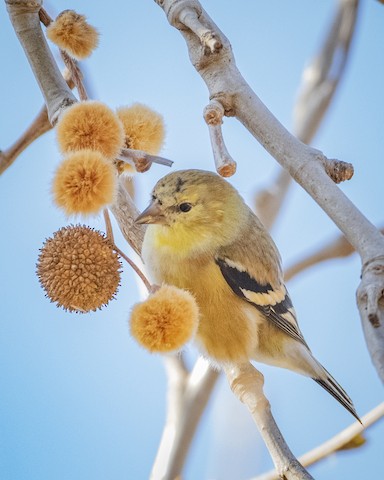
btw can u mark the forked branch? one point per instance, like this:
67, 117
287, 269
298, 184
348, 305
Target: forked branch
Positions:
306, 165
320, 80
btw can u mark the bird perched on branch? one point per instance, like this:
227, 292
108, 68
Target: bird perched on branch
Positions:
202, 237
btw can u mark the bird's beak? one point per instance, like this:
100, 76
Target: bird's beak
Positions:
152, 214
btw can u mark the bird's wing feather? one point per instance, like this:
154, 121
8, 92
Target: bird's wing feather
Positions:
273, 302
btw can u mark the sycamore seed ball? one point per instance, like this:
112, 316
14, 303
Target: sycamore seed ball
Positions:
90, 125
78, 269
71, 32
166, 320
84, 183
144, 128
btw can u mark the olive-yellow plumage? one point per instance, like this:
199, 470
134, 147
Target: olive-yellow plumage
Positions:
202, 237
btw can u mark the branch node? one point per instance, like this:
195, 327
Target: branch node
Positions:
64, 104
184, 14
374, 320
213, 116
338, 170
141, 160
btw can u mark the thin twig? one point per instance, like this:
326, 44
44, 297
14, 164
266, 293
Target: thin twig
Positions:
69, 62
141, 160
38, 127
334, 444
320, 80
337, 248
213, 116
108, 225
76, 74
135, 268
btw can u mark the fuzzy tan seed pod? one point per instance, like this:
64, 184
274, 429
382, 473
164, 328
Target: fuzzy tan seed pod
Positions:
84, 183
72, 33
166, 320
90, 125
144, 128
79, 269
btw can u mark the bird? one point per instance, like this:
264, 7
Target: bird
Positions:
202, 237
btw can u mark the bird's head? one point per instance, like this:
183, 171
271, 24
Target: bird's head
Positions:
195, 201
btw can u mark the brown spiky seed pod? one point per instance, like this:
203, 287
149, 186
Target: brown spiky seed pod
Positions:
79, 269
71, 32
166, 320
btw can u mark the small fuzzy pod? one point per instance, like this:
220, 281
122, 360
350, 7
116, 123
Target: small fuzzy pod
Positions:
84, 183
71, 32
79, 269
90, 125
144, 128
166, 320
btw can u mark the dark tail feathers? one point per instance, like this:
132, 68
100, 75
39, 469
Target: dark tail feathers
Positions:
332, 387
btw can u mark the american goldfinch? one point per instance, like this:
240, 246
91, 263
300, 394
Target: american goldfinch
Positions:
202, 237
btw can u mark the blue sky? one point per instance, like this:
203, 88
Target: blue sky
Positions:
79, 399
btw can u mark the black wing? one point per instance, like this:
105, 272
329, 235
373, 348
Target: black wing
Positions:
274, 304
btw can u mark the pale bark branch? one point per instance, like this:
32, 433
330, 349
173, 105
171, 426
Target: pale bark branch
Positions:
188, 395
336, 248
125, 212
24, 16
38, 127
213, 116
305, 164
334, 444
319, 83
141, 160
247, 384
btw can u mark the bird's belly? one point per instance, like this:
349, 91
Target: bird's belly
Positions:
228, 325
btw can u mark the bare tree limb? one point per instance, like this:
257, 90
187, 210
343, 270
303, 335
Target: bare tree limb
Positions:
141, 160
247, 384
38, 127
305, 164
213, 116
24, 16
319, 83
125, 212
336, 248
335, 443
188, 395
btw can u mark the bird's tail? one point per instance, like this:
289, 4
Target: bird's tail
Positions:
331, 386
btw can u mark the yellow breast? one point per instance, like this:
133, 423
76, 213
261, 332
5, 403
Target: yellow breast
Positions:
227, 329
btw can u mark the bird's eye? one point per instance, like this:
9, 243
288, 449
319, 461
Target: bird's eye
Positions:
185, 207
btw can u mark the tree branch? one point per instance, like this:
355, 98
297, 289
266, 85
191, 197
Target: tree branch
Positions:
24, 15
125, 212
140, 160
335, 443
38, 127
247, 384
320, 80
188, 395
305, 164
336, 248
213, 116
